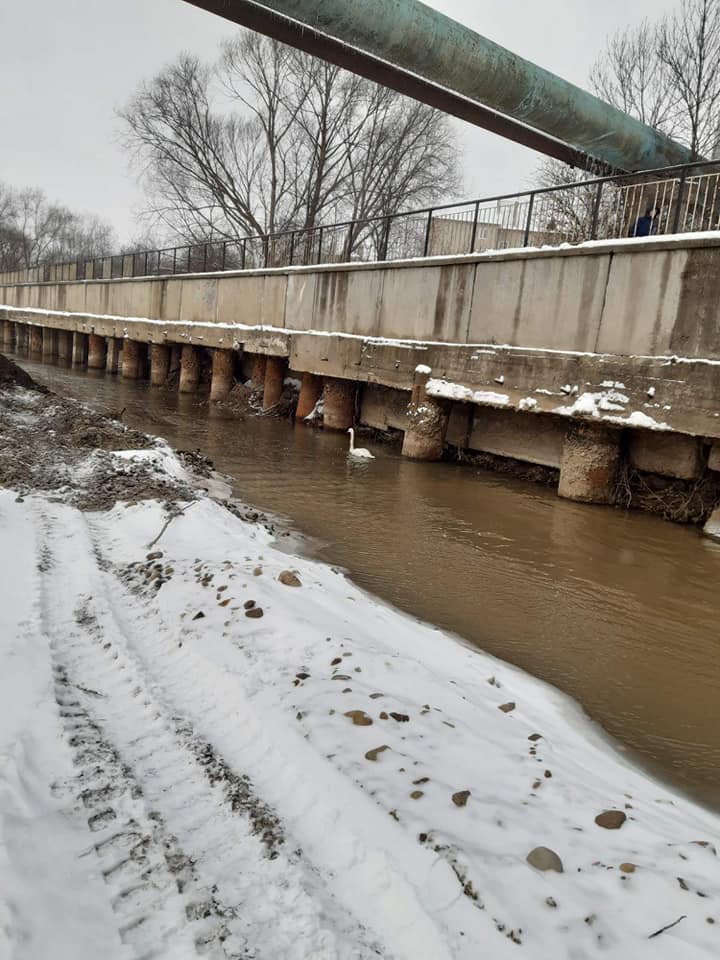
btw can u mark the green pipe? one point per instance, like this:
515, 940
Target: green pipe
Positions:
385, 36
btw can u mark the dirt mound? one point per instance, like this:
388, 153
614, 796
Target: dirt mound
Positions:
12, 375
60, 447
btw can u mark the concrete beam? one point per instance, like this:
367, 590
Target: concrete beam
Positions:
672, 455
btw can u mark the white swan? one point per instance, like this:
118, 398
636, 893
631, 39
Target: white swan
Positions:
360, 452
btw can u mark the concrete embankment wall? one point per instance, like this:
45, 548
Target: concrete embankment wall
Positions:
622, 336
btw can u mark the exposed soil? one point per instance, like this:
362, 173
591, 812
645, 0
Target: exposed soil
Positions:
60, 447
10, 373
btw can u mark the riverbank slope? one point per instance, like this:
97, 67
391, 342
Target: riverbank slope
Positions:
207, 746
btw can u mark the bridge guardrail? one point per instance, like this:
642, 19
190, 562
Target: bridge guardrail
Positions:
687, 200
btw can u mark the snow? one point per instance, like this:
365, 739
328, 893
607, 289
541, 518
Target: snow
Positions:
604, 404
443, 389
106, 665
528, 403
423, 369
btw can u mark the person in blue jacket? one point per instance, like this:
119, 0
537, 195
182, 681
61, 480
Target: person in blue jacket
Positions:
646, 225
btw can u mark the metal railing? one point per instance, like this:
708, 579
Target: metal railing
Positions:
686, 197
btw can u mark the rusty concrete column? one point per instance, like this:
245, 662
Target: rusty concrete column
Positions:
590, 461
274, 379
114, 349
258, 371
427, 421
310, 392
49, 344
36, 342
223, 366
339, 403
79, 349
64, 345
8, 332
159, 364
97, 352
189, 369
131, 360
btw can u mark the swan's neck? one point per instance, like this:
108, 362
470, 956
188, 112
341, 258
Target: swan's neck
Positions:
352, 438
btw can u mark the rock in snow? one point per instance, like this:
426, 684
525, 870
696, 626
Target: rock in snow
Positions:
542, 858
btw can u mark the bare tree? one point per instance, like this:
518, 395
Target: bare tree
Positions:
633, 77
34, 231
665, 74
271, 139
688, 48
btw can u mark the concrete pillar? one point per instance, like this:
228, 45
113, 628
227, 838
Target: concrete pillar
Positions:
49, 344
427, 421
97, 352
79, 349
22, 337
159, 364
114, 349
310, 393
339, 403
8, 331
189, 369
589, 466
175, 358
131, 359
274, 379
36, 341
258, 371
223, 365
64, 345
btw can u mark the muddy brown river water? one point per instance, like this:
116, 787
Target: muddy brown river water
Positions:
621, 611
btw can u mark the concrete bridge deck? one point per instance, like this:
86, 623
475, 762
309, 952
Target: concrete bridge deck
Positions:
512, 348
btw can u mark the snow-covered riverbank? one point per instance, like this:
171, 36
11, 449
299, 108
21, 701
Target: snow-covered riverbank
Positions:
209, 747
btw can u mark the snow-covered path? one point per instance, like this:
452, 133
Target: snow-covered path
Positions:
208, 753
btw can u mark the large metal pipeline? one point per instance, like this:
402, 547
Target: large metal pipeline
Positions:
406, 45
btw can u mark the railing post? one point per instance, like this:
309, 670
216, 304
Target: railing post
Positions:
223, 258
528, 223
473, 236
204, 269
174, 260
428, 230
385, 242
266, 249
292, 247
189, 258
244, 253
680, 198
350, 241
146, 264
320, 240
596, 212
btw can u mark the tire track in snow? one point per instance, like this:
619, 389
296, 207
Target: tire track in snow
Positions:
366, 877
146, 779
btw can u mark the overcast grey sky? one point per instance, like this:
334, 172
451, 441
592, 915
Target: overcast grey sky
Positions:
67, 64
